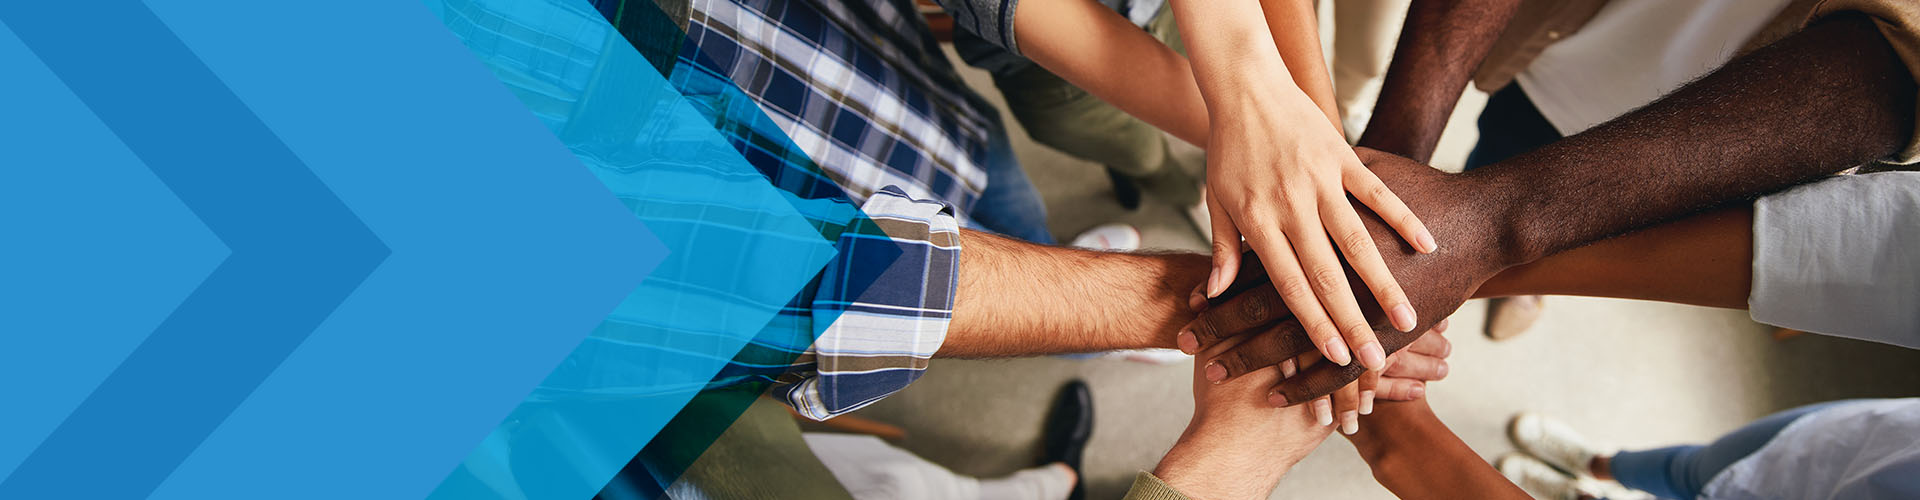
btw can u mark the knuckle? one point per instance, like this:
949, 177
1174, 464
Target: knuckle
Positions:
1257, 307
1295, 288
1327, 281
1357, 242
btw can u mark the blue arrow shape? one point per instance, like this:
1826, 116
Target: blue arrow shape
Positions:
297, 251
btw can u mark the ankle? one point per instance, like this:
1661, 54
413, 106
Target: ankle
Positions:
1600, 467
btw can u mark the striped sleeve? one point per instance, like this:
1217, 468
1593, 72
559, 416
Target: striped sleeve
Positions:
885, 301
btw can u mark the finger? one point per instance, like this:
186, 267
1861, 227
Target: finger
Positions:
1418, 367
1346, 408
1275, 345
1312, 382
1368, 189
1323, 411
1238, 314
1226, 248
1400, 389
1369, 388
1329, 282
1357, 245
1430, 344
1299, 296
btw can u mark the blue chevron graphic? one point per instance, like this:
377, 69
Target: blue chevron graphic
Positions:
297, 378
297, 251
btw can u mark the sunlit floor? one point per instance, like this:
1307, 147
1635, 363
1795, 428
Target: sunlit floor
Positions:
1627, 373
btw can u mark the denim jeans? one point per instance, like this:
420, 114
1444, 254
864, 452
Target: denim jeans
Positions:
1010, 205
1680, 472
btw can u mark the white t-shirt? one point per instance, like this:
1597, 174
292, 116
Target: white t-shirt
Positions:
1634, 51
1854, 451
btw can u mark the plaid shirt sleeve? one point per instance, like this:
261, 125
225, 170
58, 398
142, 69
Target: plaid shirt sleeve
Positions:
879, 340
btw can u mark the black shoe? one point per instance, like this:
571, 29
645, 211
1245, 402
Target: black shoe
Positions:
1069, 426
1124, 190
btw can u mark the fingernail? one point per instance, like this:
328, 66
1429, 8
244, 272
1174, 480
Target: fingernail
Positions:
1277, 399
1213, 284
1349, 423
1197, 300
1417, 391
1216, 373
1440, 372
1372, 357
1323, 412
1426, 241
1403, 318
1336, 351
1188, 343
1287, 368
1366, 402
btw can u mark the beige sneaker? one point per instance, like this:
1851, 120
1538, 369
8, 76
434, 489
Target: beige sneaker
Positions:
1553, 442
1541, 480
1508, 317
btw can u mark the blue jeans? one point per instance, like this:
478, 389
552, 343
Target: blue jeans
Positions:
1010, 205
1510, 125
1680, 472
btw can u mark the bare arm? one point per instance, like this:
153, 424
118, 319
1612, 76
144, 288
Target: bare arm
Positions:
1417, 457
1099, 51
1704, 260
1295, 28
1440, 47
1833, 96
1021, 299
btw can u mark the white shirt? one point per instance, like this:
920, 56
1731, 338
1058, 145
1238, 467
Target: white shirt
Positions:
1633, 52
1855, 451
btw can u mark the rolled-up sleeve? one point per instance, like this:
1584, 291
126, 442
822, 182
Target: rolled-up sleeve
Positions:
1841, 257
882, 307
991, 20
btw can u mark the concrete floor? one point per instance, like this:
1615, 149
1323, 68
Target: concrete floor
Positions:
1631, 374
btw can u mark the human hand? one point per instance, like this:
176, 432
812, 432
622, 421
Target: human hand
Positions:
1234, 446
1439, 281
1405, 379
1281, 176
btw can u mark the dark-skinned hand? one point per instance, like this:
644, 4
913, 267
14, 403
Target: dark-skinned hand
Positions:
1252, 316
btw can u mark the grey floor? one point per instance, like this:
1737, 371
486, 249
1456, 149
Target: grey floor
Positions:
1630, 374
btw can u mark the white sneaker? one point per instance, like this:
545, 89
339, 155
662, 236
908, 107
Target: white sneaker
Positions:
1539, 479
1553, 442
1109, 238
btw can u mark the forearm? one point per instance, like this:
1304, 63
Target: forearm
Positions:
1103, 53
1296, 35
1020, 299
1703, 260
1825, 99
1440, 46
1233, 55
1416, 456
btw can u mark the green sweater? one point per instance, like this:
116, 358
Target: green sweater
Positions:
1148, 487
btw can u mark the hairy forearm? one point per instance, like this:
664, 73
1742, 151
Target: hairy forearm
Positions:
1830, 97
1099, 51
1020, 299
1417, 457
1440, 46
1703, 260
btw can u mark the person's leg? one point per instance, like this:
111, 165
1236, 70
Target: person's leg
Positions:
1364, 35
1680, 472
871, 469
1010, 205
1510, 125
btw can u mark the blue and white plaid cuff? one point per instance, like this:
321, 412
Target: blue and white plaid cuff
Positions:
886, 301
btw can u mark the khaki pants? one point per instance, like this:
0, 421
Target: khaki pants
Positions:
1364, 34
1064, 117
